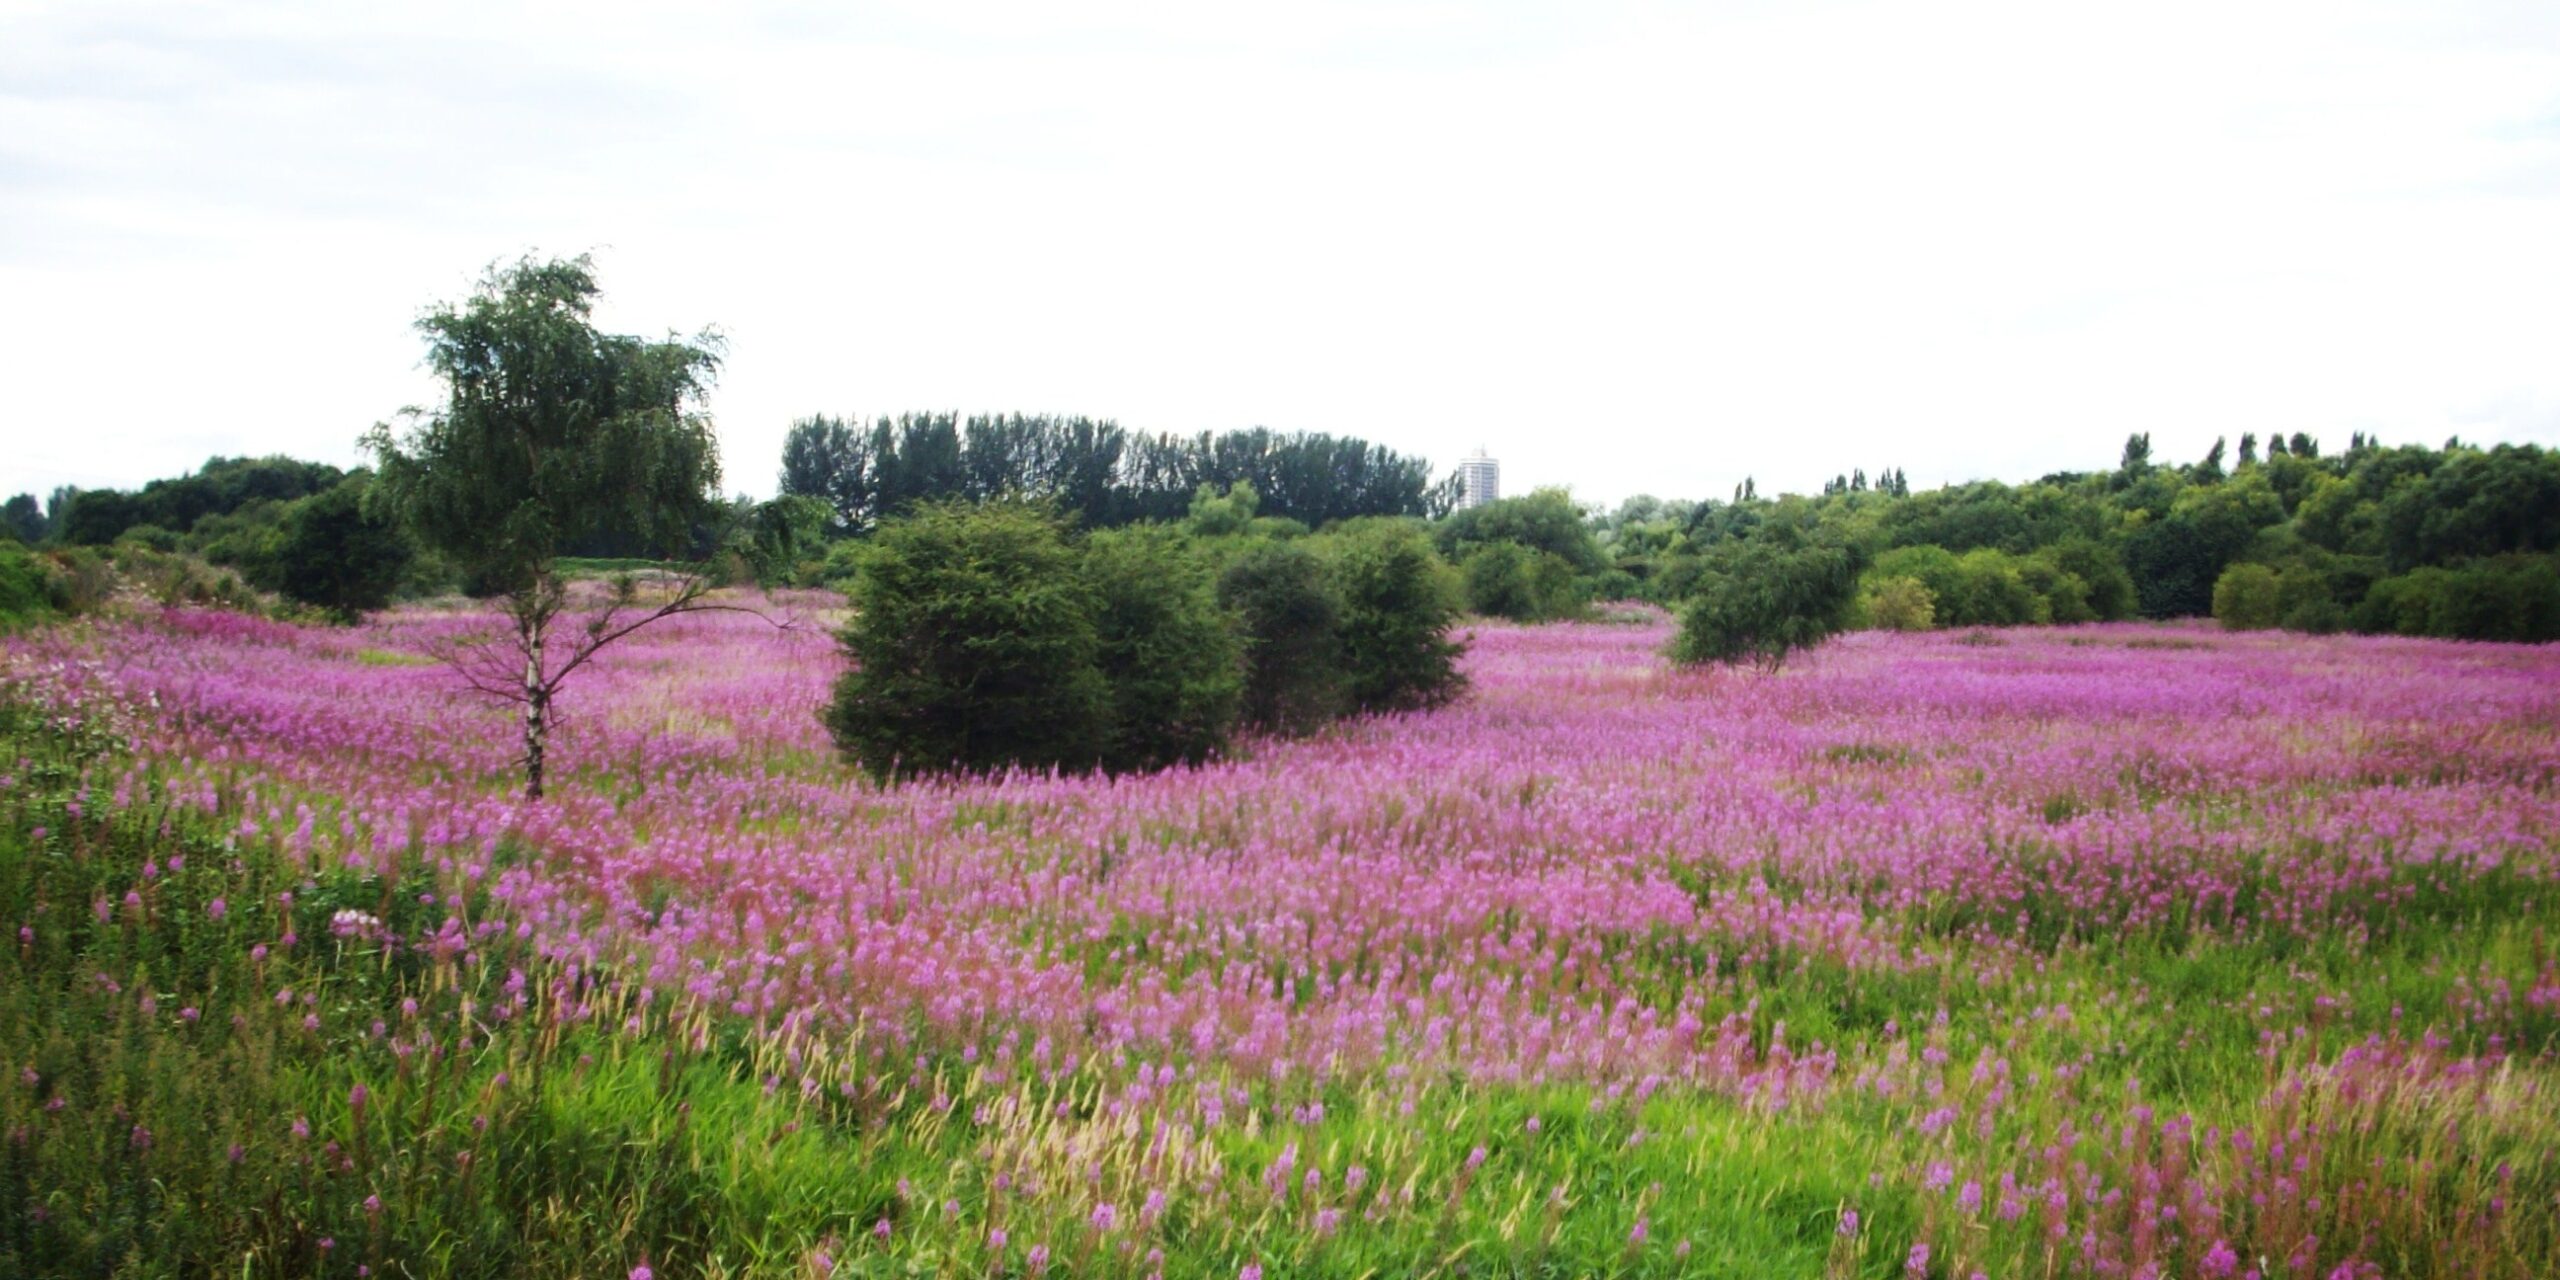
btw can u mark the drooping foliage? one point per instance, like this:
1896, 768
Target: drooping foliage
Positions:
552, 434
551, 431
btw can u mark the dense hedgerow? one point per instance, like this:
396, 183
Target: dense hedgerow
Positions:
984, 637
1290, 614
1167, 653
2514, 597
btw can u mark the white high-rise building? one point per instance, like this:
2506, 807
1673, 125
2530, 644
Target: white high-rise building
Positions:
1479, 480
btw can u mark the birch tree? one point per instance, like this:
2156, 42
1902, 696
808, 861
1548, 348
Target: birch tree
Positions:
551, 432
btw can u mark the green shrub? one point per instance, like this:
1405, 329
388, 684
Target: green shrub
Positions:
1290, 622
246, 540
2512, 598
837, 569
2061, 595
1993, 593
1509, 580
173, 579
31, 588
1984, 587
974, 648
1399, 600
779, 536
2245, 598
1544, 521
149, 535
2108, 589
1759, 602
1216, 515
337, 556
88, 579
1900, 604
1168, 653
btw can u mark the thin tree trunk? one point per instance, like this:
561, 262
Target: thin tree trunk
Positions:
537, 705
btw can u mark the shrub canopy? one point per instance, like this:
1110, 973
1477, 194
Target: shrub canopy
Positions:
974, 648
1167, 652
1761, 602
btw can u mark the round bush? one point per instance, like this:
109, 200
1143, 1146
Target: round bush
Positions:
1168, 652
2245, 599
974, 648
1290, 623
1398, 602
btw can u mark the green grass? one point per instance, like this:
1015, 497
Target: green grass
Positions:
607, 566
371, 657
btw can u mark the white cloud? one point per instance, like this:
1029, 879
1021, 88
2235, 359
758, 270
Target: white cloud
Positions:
1626, 247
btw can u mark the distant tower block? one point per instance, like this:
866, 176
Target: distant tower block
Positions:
1479, 480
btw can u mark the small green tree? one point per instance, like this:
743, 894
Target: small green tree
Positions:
2245, 598
775, 538
2109, 589
1169, 654
973, 645
1216, 515
2307, 601
1546, 520
550, 431
1399, 601
1900, 604
1290, 620
1758, 602
336, 554
22, 517
1510, 580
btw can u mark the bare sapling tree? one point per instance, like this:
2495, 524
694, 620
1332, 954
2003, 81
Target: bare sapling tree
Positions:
553, 434
555, 629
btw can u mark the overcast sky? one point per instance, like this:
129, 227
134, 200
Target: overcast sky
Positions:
1624, 247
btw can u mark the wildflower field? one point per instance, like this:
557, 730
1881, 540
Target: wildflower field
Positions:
2107, 951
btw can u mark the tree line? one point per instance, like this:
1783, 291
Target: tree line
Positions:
2456, 541
220, 534
1093, 471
